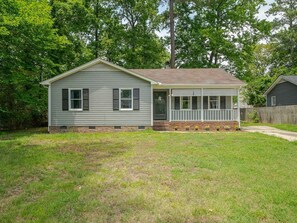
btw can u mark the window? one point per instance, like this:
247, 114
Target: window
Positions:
214, 102
273, 100
75, 100
185, 102
126, 100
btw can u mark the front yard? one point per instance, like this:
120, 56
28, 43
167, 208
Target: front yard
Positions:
147, 177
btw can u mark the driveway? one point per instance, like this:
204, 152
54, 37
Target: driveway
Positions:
290, 136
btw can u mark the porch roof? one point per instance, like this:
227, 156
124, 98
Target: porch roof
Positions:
198, 76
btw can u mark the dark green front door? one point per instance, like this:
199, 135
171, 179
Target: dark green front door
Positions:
160, 105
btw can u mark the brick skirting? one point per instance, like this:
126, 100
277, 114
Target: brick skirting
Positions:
196, 126
61, 129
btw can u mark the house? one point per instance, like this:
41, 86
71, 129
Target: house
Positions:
282, 92
101, 96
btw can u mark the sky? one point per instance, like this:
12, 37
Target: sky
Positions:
261, 15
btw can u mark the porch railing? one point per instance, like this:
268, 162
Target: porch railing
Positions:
208, 115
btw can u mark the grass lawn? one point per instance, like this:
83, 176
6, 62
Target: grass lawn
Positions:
287, 127
147, 177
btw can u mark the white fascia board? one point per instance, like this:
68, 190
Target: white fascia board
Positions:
160, 86
92, 63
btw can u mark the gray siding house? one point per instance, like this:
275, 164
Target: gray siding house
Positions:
282, 92
103, 96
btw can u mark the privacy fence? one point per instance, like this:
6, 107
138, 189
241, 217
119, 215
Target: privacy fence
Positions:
275, 115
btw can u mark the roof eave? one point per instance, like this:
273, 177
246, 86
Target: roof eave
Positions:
89, 64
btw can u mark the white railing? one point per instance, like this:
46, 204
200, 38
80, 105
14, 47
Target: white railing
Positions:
208, 115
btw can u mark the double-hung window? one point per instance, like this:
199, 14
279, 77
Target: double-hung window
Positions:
214, 102
126, 99
273, 100
75, 100
185, 102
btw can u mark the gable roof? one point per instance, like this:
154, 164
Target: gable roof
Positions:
196, 77
199, 76
92, 63
292, 79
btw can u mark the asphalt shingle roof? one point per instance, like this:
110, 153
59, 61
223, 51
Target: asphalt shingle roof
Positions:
292, 79
202, 76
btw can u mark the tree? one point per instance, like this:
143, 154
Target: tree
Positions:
135, 38
284, 37
218, 33
260, 75
27, 40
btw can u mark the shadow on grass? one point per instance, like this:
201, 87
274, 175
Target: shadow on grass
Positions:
45, 182
15, 134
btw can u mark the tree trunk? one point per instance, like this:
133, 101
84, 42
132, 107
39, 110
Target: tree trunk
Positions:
172, 36
96, 29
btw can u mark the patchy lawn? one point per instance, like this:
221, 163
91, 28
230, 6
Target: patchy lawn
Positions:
287, 127
147, 177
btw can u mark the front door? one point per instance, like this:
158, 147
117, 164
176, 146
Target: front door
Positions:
160, 105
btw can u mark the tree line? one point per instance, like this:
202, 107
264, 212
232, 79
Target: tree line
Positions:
42, 38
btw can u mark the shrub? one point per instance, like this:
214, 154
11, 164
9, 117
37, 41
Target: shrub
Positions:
176, 128
227, 127
218, 128
207, 128
196, 128
254, 116
187, 128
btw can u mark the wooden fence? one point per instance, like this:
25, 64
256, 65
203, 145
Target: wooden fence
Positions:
275, 115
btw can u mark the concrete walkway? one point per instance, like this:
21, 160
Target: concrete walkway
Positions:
290, 136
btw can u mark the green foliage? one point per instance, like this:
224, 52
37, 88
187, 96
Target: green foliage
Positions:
218, 33
27, 41
284, 37
254, 116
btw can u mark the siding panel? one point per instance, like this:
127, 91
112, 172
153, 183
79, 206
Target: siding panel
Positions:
101, 113
286, 94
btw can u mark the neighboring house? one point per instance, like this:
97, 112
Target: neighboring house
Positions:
103, 96
282, 92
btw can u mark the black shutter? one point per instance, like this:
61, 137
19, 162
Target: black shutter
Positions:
86, 99
65, 99
194, 102
205, 102
136, 99
223, 102
115, 95
176, 103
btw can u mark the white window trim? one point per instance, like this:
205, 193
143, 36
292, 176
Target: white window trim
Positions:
181, 103
69, 99
120, 99
219, 103
272, 100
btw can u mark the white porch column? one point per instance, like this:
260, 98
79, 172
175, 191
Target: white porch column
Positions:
170, 92
238, 107
49, 114
202, 116
152, 105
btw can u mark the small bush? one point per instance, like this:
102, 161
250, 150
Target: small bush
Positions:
218, 128
207, 128
227, 128
254, 116
196, 128
237, 128
187, 128
176, 128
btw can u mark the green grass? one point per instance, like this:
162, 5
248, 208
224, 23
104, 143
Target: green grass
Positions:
287, 127
147, 177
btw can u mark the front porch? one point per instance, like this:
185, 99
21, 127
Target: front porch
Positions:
196, 105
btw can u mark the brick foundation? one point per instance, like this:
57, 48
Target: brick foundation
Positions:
85, 129
195, 126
